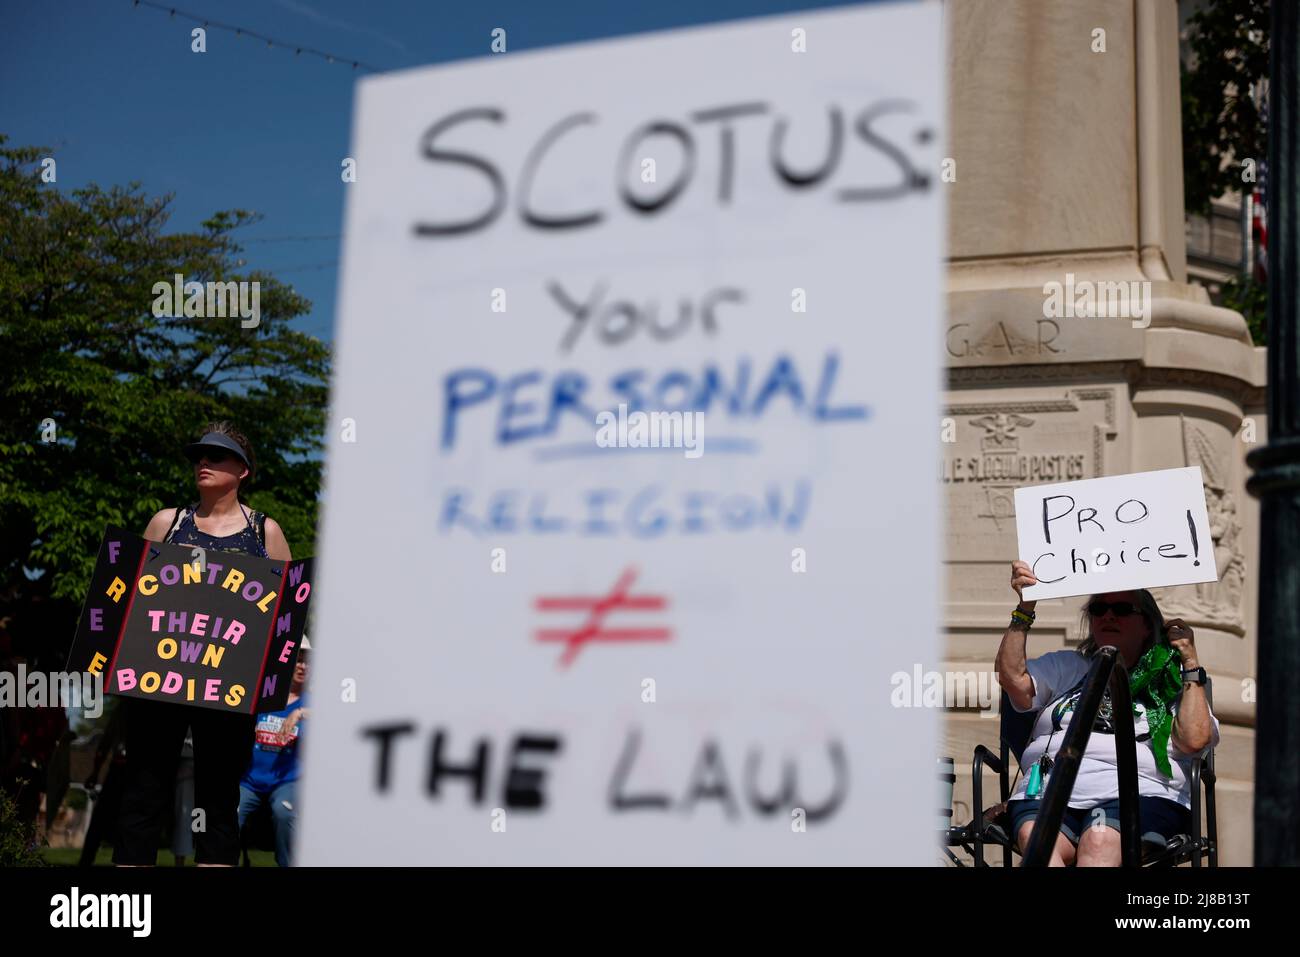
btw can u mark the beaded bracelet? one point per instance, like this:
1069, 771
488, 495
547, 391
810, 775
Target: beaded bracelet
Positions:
1025, 618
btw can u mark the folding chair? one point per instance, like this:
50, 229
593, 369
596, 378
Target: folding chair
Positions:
1014, 729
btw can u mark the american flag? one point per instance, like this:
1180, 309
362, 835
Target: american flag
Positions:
1259, 226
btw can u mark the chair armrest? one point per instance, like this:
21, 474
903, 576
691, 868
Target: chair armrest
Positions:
984, 756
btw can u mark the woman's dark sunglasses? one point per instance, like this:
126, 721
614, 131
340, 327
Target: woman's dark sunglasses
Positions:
1120, 608
215, 456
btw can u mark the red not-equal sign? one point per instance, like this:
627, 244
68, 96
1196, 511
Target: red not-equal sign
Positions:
597, 609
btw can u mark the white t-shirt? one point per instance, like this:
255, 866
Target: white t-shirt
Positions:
1055, 676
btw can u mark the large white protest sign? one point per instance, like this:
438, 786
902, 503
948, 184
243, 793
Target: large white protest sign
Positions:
1143, 530
557, 624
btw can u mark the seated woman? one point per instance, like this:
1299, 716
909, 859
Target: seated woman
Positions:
1172, 720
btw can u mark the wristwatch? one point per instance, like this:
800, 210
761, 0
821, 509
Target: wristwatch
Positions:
1195, 676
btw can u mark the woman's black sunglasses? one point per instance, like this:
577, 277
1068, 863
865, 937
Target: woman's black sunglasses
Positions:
215, 456
1120, 608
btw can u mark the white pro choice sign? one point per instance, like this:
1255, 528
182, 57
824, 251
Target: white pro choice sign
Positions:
1141, 530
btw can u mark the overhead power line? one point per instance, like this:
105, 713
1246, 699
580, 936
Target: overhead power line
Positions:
291, 239
303, 267
297, 48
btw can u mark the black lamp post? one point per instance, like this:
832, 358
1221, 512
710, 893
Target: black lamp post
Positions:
1276, 479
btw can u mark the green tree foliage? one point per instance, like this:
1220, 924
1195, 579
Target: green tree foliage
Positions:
18, 843
1222, 126
125, 389
1250, 298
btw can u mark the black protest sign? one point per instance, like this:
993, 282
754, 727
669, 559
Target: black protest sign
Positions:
286, 636
217, 630
102, 615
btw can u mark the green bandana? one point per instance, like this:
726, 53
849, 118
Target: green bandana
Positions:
1157, 679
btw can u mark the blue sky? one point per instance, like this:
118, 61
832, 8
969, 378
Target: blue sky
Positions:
117, 94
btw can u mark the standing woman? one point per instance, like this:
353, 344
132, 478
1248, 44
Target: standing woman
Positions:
155, 730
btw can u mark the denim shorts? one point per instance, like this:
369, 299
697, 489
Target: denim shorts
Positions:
1158, 818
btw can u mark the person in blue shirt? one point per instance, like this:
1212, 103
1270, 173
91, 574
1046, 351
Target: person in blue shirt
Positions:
273, 774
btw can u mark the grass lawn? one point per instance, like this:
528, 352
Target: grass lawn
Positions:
69, 856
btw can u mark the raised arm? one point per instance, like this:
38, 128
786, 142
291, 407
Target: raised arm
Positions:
1010, 664
1193, 728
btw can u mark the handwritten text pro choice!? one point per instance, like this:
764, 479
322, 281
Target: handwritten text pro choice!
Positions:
1056, 508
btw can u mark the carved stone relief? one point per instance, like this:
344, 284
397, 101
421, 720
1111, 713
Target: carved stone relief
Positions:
1217, 604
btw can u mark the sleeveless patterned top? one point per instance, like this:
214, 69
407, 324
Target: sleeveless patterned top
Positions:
250, 540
